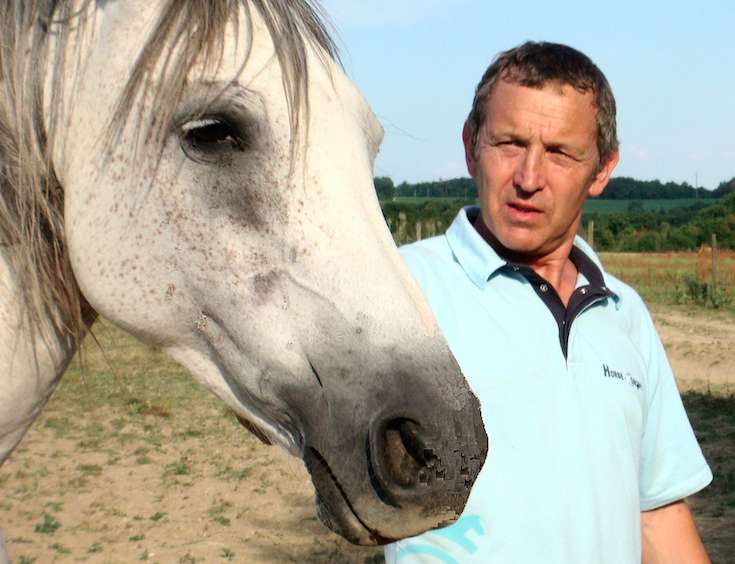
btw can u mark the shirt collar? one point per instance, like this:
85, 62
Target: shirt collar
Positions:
480, 261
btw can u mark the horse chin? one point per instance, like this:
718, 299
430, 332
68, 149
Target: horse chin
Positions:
333, 506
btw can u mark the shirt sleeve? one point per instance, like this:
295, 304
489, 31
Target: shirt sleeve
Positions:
672, 464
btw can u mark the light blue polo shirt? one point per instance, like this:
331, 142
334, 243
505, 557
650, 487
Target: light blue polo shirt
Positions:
579, 444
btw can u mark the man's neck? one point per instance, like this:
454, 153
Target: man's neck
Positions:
557, 269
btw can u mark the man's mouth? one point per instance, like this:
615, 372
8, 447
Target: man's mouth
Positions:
521, 211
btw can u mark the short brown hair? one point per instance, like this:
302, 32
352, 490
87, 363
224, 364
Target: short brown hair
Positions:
535, 64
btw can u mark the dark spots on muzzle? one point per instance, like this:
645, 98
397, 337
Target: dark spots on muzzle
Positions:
264, 285
393, 445
247, 208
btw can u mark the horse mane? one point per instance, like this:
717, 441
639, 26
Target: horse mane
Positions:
188, 32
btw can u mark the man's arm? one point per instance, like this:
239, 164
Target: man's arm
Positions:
669, 536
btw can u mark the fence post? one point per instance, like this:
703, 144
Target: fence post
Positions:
401, 231
714, 268
591, 233
418, 230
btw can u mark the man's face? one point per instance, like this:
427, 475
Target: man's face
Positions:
535, 164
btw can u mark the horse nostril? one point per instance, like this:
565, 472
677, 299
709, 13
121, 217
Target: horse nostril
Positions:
403, 455
410, 466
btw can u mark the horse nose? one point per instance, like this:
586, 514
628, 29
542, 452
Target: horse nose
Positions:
412, 466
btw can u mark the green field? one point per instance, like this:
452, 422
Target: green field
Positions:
592, 206
676, 278
420, 200
621, 206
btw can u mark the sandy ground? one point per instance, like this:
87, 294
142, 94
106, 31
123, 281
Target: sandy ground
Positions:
102, 486
700, 346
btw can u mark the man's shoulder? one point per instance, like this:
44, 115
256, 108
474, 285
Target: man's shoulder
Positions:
627, 297
624, 291
633, 315
433, 265
427, 253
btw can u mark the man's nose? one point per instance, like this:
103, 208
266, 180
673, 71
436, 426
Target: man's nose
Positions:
529, 175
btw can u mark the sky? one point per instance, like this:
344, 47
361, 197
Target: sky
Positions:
671, 65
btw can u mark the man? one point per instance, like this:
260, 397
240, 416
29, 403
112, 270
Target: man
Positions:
591, 453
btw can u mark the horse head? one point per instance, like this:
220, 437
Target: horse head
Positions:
216, 169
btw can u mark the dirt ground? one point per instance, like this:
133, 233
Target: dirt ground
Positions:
137, 463
700, 347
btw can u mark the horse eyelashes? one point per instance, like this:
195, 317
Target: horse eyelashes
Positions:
207, 139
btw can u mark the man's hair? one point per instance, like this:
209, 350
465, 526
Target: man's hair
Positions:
535, 64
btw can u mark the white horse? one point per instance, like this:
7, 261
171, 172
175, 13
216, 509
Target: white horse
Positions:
199, 172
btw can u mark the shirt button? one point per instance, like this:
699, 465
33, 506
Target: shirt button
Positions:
583, 291
544, 288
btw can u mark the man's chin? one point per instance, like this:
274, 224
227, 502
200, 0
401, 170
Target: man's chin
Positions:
513, 243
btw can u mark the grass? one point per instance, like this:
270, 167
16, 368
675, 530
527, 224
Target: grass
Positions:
157, 516
90, 469
48, 526
675, 278
591, 206
621, 206
217, 513
410, 200
59, 548
180, 468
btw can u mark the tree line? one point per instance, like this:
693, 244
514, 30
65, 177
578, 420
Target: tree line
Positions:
685, 228
636, 229
619, 188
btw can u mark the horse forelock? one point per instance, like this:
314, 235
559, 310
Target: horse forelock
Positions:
187, 33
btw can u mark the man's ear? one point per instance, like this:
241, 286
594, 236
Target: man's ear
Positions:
599, 182
469, 150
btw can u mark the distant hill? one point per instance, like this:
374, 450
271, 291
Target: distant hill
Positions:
626, 188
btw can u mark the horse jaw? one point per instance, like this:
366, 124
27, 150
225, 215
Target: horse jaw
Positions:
269, 273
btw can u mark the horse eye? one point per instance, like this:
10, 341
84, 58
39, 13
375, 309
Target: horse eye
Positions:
208, 137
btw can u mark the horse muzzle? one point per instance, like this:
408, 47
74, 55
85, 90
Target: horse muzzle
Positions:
420, 474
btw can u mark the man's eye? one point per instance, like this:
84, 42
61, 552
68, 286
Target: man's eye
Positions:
205, 138
562, 154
